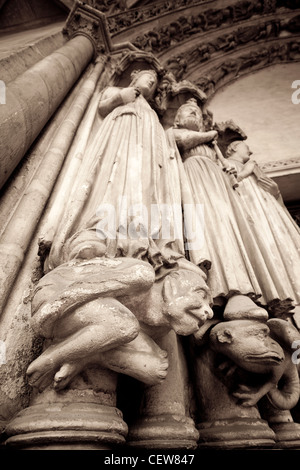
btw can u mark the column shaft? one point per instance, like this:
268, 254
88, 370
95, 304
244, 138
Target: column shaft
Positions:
20, 229
33, 97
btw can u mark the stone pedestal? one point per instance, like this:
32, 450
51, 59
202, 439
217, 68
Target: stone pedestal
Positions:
222, 422
81, 417
287, 432
164, 422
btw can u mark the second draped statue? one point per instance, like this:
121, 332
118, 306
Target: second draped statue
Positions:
250, 244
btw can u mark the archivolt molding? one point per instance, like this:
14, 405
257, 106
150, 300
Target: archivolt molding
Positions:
244, 61
212, 43
212, 14
204, 47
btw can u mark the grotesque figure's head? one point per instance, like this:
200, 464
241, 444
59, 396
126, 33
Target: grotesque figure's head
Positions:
248, 343
186, 301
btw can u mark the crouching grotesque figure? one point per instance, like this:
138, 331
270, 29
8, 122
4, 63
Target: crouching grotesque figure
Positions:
108, 312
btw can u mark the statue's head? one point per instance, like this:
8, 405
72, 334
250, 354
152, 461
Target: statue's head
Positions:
239, 148
189, 116
145, 80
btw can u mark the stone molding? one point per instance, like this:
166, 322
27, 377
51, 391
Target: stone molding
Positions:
235, 37
281, 165
90, 22
247, 60
120, 19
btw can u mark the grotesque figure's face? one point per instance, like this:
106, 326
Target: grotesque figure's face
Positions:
189, 117
186, 301
146, 82
248, 343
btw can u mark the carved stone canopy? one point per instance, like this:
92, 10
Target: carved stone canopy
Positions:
228, 132
135, 60
88, 22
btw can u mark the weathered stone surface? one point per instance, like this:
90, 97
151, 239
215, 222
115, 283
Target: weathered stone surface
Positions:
106, 308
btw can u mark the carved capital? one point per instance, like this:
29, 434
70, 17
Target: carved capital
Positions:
90, 22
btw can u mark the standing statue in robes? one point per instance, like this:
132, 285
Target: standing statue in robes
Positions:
116, 275
223, 254
250, 252
277, 257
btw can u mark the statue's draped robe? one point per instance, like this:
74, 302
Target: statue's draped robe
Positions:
223, 251
251, 243
277, 256
129, 169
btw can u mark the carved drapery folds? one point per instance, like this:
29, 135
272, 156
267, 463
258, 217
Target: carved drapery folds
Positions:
113, 302
131, 297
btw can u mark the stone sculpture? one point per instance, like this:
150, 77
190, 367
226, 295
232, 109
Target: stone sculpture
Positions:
264, 350
89, 302
230, 272
275, 253
105, 311
248, 356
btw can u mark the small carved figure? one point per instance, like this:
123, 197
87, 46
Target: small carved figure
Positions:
243, 10
263, 351
294, 50
177, 66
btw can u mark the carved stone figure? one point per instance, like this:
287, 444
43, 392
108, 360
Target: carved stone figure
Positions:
294, 50
258, 348
101, 264
104, 312
257, 351
128, 156
246, 382
223, 254
177, 66
275, 254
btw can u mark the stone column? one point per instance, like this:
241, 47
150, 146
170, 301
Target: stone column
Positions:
287, 431
165, 422
223, 424
32, 98
81, 417
18, 233
84, 415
